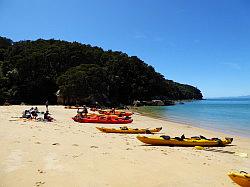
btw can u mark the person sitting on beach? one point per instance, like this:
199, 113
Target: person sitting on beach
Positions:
46, 114
33, 113
80, 113
36, 110
31, 109
26, 114
47, 117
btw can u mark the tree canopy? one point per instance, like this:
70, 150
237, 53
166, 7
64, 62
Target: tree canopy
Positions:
33, 71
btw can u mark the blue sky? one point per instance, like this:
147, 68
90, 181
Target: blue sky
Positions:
203, 43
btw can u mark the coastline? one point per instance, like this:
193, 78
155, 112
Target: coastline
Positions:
211, 127
66, 153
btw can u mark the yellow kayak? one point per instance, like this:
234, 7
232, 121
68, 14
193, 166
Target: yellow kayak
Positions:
240, 178
127, 130
166, 140
26, 119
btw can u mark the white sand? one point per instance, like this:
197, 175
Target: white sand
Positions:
66, 153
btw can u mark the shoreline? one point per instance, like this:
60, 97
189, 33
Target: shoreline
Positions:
65, 153
190, 125
234, 132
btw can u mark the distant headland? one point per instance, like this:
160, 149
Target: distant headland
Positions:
231, 97
73, 73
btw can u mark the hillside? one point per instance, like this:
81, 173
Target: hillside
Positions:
33, 71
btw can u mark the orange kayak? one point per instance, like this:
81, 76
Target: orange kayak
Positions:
240, 178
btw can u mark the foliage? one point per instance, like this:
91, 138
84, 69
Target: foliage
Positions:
33, 71
84, 81
5, 42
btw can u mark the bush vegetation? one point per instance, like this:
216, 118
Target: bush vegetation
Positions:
33, 71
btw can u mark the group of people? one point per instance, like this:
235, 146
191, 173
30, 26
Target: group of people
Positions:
33, 113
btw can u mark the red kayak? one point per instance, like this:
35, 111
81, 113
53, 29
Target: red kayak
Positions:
102, 119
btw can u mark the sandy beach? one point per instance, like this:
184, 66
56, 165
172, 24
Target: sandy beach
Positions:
66, 153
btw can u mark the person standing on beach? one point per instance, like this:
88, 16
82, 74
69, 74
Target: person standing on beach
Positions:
85, 110
47, 105
112, 111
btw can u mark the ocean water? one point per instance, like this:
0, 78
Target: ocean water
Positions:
227, 115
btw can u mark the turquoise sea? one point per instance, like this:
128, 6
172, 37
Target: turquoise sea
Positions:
227, 115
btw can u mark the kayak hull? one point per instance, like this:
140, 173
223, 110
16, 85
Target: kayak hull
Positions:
184, 142
129, 130
241, 179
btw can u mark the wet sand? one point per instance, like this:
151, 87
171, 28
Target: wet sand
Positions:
66, 153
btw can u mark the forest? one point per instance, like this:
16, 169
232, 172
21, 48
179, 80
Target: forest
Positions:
32, 72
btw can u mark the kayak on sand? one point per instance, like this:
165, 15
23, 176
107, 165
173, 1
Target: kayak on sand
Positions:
182, 141
103, 119
127, 130
241, 178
